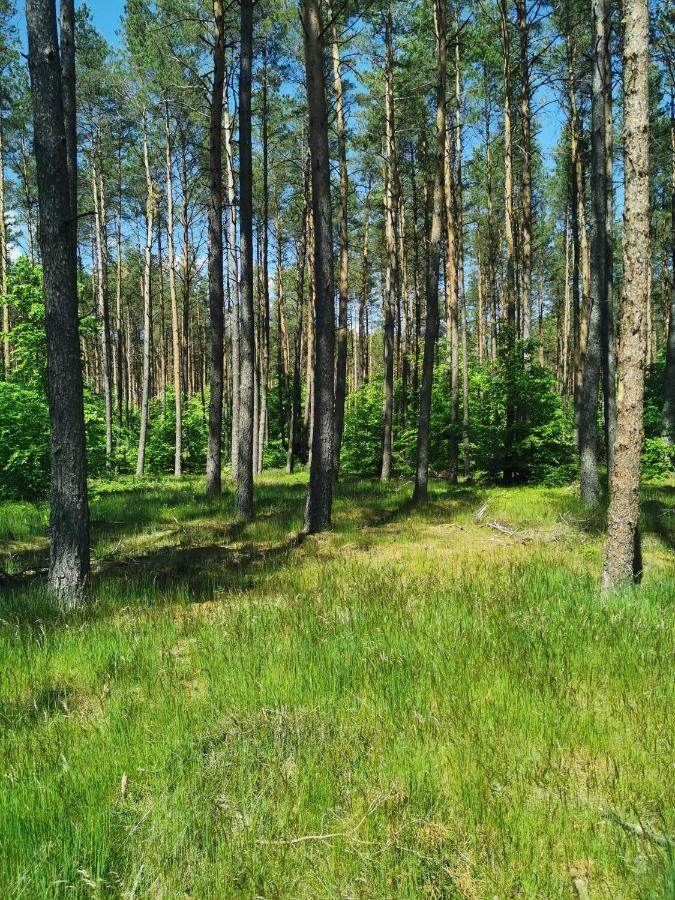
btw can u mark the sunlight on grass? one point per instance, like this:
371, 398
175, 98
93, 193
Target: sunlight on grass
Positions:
424, 702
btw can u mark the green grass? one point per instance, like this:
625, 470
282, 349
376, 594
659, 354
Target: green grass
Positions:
416, 704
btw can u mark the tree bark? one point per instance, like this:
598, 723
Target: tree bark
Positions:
433, 263
391, 272
301, 257
622, 562
147, 302
69, 518
320, 494
6, 350
247, 346
234, 271
668, 429
173, 298
101, 229
526, 248
215, 258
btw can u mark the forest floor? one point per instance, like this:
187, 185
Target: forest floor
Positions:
430, 702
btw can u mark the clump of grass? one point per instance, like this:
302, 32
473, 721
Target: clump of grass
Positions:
418, 703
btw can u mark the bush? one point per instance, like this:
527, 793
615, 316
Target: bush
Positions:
160, 448
658, 458
24, 442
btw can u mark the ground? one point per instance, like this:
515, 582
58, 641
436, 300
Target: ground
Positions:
431, 702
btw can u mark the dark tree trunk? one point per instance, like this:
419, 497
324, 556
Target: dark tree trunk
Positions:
320, 495
69, 519
246, 335
433, 264
215, 262
669, 383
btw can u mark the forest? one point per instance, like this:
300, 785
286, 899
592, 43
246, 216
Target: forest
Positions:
337, 448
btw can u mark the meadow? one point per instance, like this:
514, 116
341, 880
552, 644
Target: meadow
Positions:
423, 702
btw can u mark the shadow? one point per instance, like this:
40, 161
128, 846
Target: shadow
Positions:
654, 516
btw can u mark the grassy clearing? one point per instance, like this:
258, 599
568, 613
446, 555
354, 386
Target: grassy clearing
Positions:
416, 704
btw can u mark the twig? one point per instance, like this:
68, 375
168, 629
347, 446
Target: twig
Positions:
638, 830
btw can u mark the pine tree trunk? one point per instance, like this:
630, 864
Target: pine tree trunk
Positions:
6, 350
668, 429
246, 346
365, 293
391, 272
147, 303
162, 316
451, 301
101, 229
173, 299
215, 258
622, 559
234, 272
53, 133
433, 263
607, 326
301, 257
320, 494
526, 249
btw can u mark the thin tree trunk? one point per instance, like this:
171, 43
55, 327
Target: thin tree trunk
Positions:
53, 132
173, 299
343, 289
320, 494
607, 327
147, 302
365, 293
101, 230
234, 269
247, 346
391, 272
263, 234
526, 249
162, 316
434, 253
301, 257
668, 428
6, 350
622, 559
215, 258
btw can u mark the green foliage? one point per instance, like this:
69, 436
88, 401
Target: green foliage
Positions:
658, 459
24, 441
361, 453
160, 449
29, 345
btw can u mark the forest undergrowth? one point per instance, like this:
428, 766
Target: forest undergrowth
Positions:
431, 701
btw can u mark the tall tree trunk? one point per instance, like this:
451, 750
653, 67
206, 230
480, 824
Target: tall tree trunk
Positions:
173, 298
247, 345
590, 381
234, 272
185, 224
215, 260
301, 257
101, 229
607, 324
451, 305
147, 301
6, 350
53, 134
162, 316
264, 333
526, 249
365, 293
622, 562
461, 294
391, 273
283, 349
119, 376
343, 288
668, 429
320, 494
508, 174
433, 264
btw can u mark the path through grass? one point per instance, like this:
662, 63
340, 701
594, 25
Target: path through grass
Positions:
430, 702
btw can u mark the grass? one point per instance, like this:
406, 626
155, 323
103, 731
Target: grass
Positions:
424, 702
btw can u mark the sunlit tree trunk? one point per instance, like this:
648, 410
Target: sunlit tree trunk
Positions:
147, 302
173, 298
622, 559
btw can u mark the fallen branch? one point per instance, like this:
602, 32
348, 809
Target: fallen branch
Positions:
638, 830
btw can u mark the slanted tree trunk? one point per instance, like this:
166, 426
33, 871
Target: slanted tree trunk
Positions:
215, 258
53, 134
343, 285
391, 272
147, 302
622, 559
246, 335
173, 298
320, 494
668, 429
433, 264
